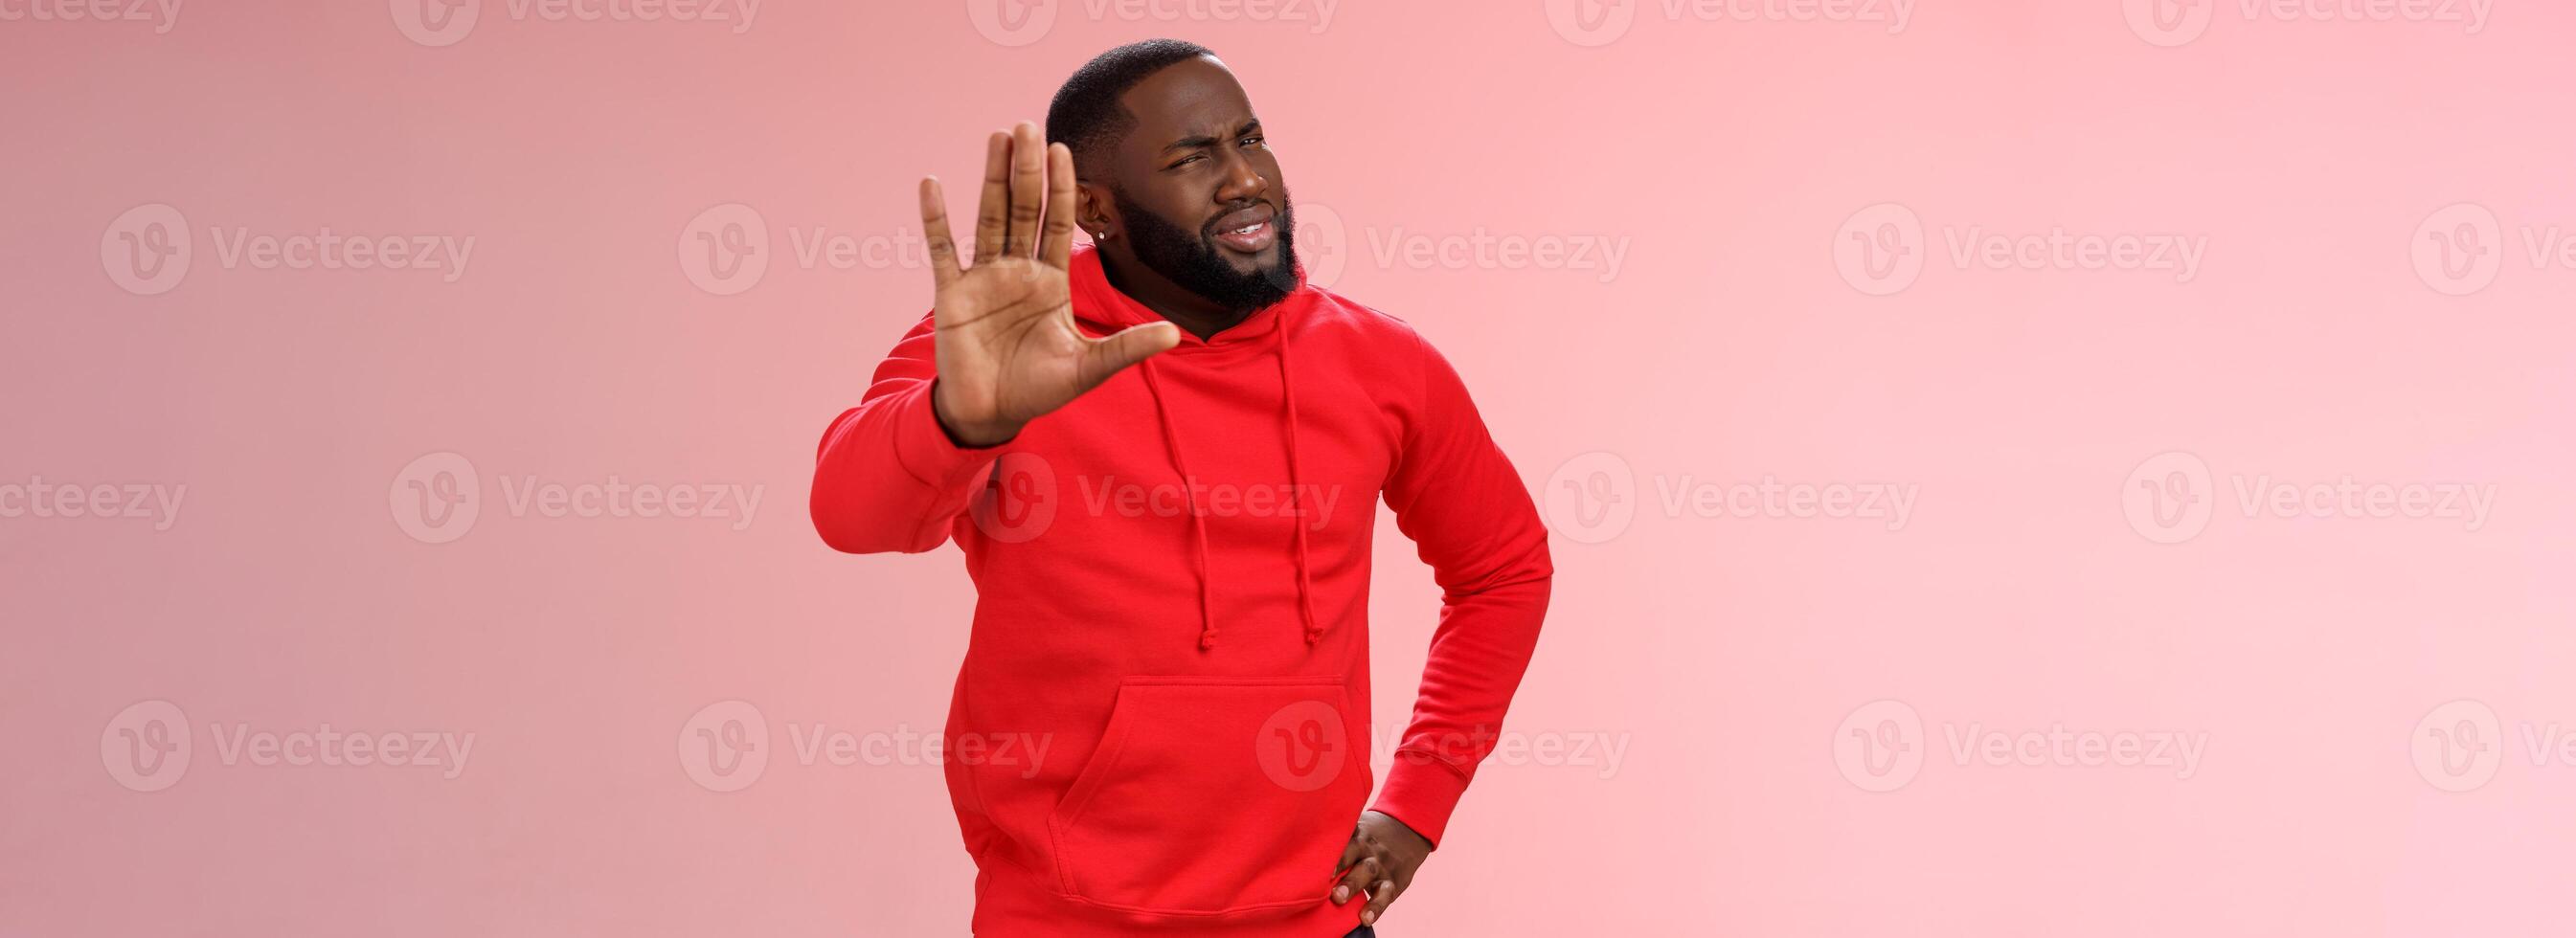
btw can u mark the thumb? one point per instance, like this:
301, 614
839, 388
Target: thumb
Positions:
1113, 353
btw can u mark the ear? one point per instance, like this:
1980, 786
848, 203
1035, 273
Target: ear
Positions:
1096, 212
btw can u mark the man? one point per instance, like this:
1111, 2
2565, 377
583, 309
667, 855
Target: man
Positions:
1159, 455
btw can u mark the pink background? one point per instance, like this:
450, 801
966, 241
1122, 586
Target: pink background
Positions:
1731, 657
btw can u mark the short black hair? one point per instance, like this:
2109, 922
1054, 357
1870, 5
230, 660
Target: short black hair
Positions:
1087, 114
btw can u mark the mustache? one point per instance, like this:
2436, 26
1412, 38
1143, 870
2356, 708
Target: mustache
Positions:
1208, 229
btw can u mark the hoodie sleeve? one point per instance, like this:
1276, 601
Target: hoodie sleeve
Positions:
1467, 511
887, 477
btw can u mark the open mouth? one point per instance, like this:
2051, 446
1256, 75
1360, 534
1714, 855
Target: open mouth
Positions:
1248, 231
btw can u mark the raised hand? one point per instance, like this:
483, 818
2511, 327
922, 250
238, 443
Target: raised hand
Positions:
1007, 347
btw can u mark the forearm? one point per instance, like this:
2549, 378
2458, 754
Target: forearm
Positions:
1478, 654
888, 478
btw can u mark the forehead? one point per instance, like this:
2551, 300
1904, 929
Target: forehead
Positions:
1192, 97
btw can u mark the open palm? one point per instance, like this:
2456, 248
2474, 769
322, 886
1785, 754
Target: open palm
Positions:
1006, 343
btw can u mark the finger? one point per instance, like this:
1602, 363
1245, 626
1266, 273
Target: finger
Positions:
1351, 853
1028, 190
1111, 354
934, 228
1381, 895
1356, 880
1056, 247
996, 205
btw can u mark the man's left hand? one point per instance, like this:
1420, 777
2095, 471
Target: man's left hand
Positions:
1380, 862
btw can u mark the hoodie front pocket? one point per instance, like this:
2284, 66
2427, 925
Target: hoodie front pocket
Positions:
1213, 794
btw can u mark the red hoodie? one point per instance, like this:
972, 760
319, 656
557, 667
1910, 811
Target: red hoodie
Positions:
1172, 576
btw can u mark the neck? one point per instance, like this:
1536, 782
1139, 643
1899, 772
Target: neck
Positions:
1190, 311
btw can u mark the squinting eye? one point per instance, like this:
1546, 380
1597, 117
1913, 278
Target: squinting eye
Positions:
1254, 142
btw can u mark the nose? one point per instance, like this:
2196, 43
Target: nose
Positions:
1242, 181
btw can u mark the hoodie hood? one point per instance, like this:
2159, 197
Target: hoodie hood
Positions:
1100, 306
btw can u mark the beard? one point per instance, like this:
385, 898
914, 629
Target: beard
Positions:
1192, 259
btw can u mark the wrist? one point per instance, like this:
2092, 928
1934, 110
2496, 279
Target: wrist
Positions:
1400, 825
966, 435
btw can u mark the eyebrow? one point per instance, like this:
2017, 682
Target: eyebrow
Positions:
1193, 143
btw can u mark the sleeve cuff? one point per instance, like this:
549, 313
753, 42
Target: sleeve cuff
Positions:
925, 450
1421, 791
